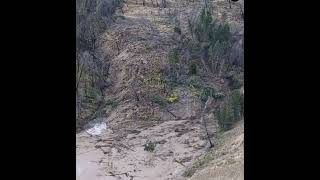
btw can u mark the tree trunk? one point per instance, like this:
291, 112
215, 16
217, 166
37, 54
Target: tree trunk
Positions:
223, 64
209, 100
163, 3
204, 58
79, 77
241, 10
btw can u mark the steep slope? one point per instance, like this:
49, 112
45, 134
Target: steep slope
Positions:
227, 156
138, 46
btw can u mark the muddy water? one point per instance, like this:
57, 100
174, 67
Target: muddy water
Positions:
177, 144
88, 158
88, 168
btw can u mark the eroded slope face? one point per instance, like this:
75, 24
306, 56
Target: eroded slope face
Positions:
138, 47
228, 162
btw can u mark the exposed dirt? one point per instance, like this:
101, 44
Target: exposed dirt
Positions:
228, 163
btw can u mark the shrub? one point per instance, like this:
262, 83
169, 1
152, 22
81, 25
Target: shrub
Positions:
211, 41
172, 98
149, 146
210, 92
218, 95
207, 92
153, 119
238, 104
195, 81
158, 100
225, 117
174, 56
119, 17
198, 164
235, 80
230, 111
192, 68
92, 95
112, 103
172, 69
177, 30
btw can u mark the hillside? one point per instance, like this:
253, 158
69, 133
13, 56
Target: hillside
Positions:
169, 84
226, 160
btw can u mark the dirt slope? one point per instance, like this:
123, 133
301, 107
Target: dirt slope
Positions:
228, 158
138, 45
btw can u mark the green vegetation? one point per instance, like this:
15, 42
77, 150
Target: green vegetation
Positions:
172, 98
212, 41
177, 30
213, 52
195, 81
230, 111
192, 68
210, 92
112, 104
92, 18
150, 146
152, 80
118, 17
198, 164
153, 119
218, 95
174, 57
235, 79
159, 100
206, 92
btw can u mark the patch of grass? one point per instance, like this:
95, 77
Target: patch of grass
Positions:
119, 17
177, 30
195, 81
198, 164
206, 92
235, 80
112, 104
152, 80
218, 95
159, 100
149, 146
172, 84
230, 111
192, 68
153, 119
172, 98
174, 56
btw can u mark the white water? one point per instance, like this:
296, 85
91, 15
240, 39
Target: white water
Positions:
97, 129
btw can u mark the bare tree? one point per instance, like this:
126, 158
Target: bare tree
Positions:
209, 101
229, 4
241, 11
